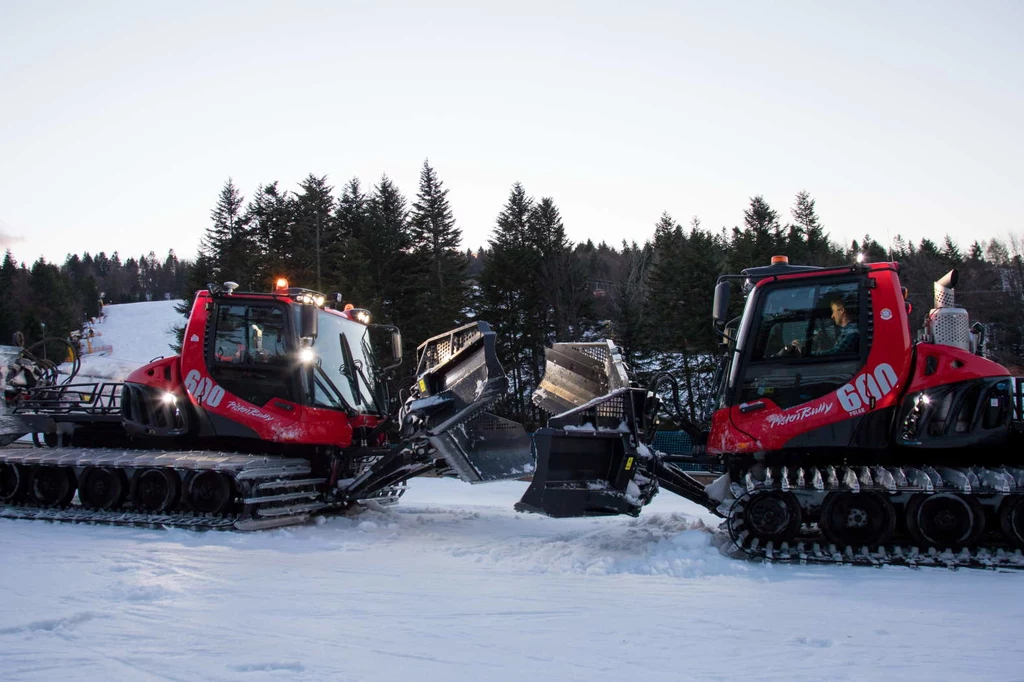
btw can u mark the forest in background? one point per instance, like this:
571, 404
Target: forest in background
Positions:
406, 262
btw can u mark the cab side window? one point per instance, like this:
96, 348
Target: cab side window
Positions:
249, 335
806, 343
250, 353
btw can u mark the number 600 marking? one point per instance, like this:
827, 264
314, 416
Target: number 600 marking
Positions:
203, 389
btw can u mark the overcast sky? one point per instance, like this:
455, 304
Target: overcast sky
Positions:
120, 122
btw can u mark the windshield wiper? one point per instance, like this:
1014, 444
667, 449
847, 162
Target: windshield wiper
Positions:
321, 377
347, 370
369, 387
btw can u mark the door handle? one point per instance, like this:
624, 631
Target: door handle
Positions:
751, 407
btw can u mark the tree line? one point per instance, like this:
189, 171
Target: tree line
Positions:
46, 299
405, 261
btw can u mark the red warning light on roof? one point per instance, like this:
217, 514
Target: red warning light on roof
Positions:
780, 260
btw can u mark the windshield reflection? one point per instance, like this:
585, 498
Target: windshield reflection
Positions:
345, 375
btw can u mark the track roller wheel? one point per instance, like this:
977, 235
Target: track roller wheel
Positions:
1011, 519
53, 486
772, 517
857, 519
13, 482
156, 490
102, 488
945, 520
210, 492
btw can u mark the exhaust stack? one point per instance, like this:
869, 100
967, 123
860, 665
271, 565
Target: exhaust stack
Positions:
946, 324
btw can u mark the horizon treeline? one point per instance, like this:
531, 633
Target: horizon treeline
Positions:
63, 297
404, 260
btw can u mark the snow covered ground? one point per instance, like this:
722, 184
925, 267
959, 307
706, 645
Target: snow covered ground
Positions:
138, 332
453, 585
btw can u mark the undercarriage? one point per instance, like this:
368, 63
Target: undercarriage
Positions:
875, 515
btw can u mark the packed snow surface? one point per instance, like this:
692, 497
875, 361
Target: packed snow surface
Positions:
453, 585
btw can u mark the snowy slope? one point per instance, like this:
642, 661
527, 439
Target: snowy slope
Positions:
138, 332
453, 585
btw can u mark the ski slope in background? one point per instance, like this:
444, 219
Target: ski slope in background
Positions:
453, 585
138, 332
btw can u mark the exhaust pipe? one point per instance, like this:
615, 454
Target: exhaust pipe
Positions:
947, 324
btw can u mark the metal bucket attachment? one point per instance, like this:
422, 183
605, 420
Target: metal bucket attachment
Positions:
588, 463
486, 448
577, 373
458, 377
587, 460
585, 473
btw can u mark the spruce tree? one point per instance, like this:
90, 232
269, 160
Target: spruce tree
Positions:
228, 243
392, 273
436, 243
348, 255
10, 310
313, 230
762, 221
509, 300
270, 217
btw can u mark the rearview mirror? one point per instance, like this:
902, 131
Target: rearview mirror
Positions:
396, 348
720, 309
387, 344
308, 321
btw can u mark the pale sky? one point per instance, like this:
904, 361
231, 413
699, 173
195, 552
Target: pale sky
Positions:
120, 122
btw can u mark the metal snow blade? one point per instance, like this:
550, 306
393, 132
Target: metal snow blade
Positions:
588, 463
458, 377
486, 448
577, 373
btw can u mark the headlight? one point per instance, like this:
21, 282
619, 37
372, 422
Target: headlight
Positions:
306, 355
169, 398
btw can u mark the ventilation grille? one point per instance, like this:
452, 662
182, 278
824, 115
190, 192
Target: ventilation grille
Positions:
951, 327
943, 296
597, 351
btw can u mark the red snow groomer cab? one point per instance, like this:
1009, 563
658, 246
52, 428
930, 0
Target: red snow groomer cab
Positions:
843, 438
268, 368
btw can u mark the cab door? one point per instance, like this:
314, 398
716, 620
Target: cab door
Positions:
796, 355
250, 353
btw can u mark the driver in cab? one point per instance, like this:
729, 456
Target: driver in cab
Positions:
847, 340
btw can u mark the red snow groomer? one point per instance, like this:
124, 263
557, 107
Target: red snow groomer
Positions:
843, 439
277, 408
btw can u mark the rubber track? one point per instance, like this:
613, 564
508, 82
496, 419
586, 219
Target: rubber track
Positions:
261, 481
812, 549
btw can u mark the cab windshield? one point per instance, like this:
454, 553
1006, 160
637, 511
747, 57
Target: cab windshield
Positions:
344, 372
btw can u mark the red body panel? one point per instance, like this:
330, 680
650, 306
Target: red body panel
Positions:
164, 374
951, 365
187, 375
878, 385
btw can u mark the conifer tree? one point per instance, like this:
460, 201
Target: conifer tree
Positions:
312, 230
508, 296
348, 255
436, 243
391, 282
227, 242
270, 215
10, 310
